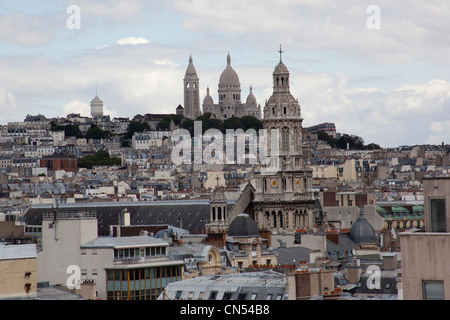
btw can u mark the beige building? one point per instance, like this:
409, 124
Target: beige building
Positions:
18, 271
305, 284
425, 258
118, 268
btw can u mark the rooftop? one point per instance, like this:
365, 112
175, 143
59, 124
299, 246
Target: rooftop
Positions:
118, 242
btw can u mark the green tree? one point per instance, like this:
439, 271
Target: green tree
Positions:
70, 130
100, 158
94, 132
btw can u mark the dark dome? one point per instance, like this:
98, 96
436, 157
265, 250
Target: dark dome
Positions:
362, 232
243, 226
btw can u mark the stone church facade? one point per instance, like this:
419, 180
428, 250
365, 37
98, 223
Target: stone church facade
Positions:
279, 201
283, 200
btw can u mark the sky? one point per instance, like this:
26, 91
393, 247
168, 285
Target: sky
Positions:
378, 69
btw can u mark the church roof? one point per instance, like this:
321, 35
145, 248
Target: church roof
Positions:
229, 77
243, 226
362, 232
251, 98
190, 68
208, 99
281, 68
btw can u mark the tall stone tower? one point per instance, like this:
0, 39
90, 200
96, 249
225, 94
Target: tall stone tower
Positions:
96, 107
191, 92
283, 198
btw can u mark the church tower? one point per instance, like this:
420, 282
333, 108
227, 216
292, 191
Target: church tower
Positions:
191, 92
218, 224
283, 199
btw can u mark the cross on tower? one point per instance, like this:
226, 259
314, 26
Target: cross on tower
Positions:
280, 53
217, 179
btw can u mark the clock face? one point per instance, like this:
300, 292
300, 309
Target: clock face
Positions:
297, 182
274, 183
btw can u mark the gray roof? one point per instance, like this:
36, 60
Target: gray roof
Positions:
194, 214
17, 251
243, 226
116, 242
362, 232
287, 255
54, 293
260, 283
197, 250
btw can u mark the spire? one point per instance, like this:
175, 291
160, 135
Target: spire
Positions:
251, 89
281, 52
190, 58
228, 59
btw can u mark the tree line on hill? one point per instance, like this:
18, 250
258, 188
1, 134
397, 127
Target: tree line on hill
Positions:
353, 142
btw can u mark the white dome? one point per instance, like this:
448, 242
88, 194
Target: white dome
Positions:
229, 77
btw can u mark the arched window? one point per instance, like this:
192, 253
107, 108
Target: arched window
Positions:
224, 213
219, 213
274, 216
213, 213
280, 215
285, 139
296, 137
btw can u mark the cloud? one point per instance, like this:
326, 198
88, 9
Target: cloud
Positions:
132, 40
440, 132
408, 32
25, 30
8, 103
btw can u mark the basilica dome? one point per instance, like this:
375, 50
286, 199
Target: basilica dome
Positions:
243, 226
229, 77
251, 98
208, 100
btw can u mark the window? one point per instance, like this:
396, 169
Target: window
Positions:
285, 140
178, 294
279, 297
269, 297
433, 290
213, 295
227, 296
242, 296
437, 215
253, 297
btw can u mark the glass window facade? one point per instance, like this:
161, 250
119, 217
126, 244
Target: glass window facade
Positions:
140, 283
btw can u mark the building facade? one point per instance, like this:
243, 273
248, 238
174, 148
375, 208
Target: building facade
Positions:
283, 200
425, 259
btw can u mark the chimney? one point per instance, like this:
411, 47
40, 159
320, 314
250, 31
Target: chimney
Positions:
124, 218
143, 233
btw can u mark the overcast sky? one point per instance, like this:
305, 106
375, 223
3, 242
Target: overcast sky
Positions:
382, 73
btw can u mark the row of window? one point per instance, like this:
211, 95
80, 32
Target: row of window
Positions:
227, 296
129, 253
